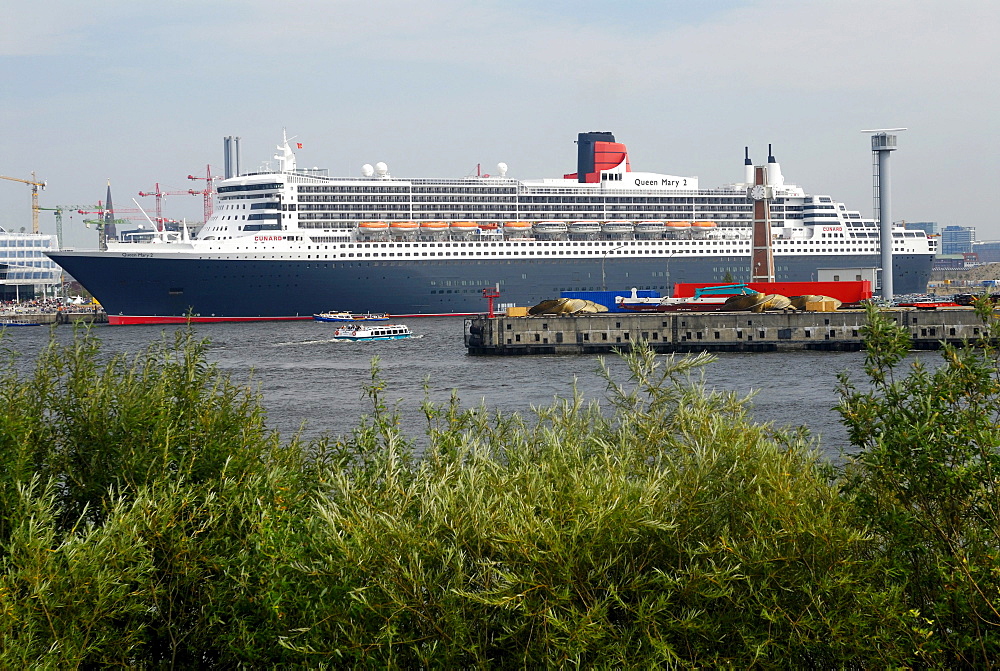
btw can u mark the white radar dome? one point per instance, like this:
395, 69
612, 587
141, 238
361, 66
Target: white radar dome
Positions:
502, 169
367, 170
381, 168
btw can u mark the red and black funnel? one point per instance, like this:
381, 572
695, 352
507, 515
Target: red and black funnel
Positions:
597, 151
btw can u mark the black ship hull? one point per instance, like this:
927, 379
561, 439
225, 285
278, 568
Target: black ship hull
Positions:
171, 288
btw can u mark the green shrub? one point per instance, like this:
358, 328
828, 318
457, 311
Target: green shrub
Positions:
927, 482
140, 501
674, 532
149, 519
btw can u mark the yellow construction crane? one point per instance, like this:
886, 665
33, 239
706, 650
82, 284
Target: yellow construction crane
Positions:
34, 197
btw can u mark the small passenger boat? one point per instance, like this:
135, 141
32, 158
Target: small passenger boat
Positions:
18, 321
365, 332
351, 317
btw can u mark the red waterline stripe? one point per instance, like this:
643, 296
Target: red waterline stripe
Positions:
130, 320
123, 320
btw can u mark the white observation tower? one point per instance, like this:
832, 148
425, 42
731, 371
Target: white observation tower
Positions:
883, 142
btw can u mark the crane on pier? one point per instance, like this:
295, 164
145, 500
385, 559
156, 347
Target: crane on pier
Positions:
35, 186
208, 192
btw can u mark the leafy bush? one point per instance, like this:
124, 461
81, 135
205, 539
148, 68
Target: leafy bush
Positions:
150, 519
927, 481
134, 497
674, 532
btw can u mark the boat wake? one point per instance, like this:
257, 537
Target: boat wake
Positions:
297, 343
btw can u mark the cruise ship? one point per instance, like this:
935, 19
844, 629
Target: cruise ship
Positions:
289, 242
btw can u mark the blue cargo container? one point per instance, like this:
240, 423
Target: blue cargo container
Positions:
607, 298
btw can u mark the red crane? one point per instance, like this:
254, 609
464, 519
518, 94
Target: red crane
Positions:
159, 201
208, 192
123, 213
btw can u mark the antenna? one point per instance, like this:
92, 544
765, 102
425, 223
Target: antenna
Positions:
144, 214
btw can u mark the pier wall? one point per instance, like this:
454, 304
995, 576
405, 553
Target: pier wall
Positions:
707, 331
62, 317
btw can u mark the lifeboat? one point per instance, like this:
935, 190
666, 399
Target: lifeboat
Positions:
551, 227
433, 226
616, 227
373, 226
678, 225
463, 226
403, 226
704, 224
584, 227
517, 226
647, 227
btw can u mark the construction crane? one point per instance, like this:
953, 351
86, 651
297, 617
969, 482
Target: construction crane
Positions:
35, 185
125, 215
112, 218
105, 219
159, 201
208, 192
58, 210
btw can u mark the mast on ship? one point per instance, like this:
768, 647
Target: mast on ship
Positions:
286, 159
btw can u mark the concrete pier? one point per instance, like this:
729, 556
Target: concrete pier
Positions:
708, 331
61, 317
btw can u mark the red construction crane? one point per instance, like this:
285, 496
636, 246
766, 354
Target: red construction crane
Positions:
208, 192
127, 213
159, 201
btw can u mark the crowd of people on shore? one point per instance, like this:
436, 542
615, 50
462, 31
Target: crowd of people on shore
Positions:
42, 306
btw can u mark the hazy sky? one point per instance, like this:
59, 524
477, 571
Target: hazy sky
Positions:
143, 93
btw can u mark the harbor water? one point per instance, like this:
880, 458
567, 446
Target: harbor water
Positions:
312, 383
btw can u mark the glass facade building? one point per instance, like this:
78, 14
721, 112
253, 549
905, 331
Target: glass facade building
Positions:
24, 269
957, 239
